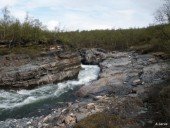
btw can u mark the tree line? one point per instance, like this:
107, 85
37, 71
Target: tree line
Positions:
155, 37
122, 39
31, 32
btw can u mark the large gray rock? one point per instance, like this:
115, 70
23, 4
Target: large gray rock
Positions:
22, 72
97, 55
92, 56
122, 71
155, 72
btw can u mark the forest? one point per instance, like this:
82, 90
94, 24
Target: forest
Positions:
30, 36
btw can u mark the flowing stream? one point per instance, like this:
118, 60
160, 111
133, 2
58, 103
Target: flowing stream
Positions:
18, 104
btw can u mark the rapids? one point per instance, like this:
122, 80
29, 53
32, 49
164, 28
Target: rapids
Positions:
13, 103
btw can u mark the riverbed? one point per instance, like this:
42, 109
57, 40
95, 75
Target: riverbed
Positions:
25, 103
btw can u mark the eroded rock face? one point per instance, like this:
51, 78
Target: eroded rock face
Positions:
22, 72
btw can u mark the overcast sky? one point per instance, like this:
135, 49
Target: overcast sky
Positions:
86, 14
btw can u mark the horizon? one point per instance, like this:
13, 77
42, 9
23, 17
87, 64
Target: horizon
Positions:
73, 15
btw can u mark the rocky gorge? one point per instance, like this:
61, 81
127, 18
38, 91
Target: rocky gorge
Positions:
20, 71
125, 81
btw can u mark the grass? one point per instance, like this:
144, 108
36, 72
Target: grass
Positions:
103, 120
159, 102
4, 51
164, 103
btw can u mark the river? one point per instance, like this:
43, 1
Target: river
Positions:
23, 103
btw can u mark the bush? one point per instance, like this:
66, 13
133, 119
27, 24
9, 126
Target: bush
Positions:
103, 120
164, 103
4, 51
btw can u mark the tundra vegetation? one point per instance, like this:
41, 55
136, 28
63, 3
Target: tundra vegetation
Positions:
32, 35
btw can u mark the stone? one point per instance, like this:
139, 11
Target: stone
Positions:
70, 120
152, 60
80, 116
98, 97
136, 82
103, 86
29, 122
92, 56
72, 115
90, 106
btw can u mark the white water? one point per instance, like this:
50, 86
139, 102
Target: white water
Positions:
12, 99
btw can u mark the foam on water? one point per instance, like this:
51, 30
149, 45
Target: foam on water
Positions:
12, 99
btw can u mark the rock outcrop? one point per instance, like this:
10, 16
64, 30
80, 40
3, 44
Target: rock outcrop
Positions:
124, 82
92, 56
122, 72
19, 71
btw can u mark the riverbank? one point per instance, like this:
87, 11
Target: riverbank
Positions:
21, 71
40, 101
125, 81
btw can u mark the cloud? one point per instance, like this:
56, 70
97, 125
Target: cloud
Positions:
18, 14
7, 3
87, 14
52, 24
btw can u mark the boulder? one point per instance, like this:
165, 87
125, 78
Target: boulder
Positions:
92, 56
70, 120
104, 86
